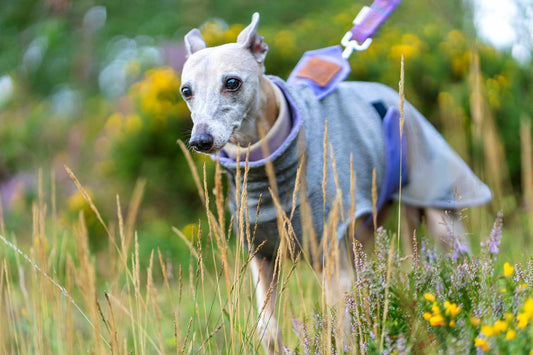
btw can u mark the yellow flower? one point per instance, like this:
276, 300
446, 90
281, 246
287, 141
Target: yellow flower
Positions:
452, 309
408, 51
452, 324
482, 343
500, 326
487, 330
286, 42
509, 316
475, 321
507, 269
511, 333
428, 296
436, 320
113, 125
435, 308
132, 124
503, 290
77, 201
522, 286
427, 316
523, 319
528, 307
158, 95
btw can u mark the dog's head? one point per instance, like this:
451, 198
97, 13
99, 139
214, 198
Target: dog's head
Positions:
221, 86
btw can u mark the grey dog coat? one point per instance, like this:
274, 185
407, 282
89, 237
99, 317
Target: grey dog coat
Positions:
437, 176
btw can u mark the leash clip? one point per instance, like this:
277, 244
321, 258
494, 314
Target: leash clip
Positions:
351, 45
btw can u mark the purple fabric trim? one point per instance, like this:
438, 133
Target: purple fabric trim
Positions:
331, 54
393, 152
294, 113
379, 11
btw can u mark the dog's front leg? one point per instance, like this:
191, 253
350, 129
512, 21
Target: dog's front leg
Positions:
338, 278
265, 291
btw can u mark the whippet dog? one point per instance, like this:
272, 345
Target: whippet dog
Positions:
233, 103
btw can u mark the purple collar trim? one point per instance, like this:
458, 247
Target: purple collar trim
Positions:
294, 114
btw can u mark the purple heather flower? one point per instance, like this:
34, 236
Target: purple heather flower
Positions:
458, 248
495, 237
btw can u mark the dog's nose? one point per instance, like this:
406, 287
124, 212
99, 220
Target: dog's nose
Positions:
202, 142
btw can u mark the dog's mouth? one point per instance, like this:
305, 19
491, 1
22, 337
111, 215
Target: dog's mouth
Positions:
208, 151
206, 142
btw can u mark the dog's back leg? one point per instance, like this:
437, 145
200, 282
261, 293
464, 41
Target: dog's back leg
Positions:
446, 227
411, 219
265, 282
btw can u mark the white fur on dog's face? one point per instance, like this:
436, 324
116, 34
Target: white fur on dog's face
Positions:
221, 86
215, 109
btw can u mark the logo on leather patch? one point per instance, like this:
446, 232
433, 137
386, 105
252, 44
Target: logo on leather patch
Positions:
319, 71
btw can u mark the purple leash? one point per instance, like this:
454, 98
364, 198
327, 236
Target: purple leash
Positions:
323, 69
366, 24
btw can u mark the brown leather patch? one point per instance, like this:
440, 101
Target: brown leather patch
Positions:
319, 70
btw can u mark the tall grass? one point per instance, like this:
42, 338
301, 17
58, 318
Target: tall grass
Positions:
57, 297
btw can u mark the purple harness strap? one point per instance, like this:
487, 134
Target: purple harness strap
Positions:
323, 69
395, 153
395, 157
371, 18
331, 54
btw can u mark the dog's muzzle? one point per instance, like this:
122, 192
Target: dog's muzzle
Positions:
202, 142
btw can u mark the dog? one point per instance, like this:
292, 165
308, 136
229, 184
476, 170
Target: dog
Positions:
338, 143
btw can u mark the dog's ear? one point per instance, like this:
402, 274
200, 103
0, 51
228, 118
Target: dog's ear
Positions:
194, 41
248, 38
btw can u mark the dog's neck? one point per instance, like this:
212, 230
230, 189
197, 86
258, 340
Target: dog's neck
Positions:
259, 119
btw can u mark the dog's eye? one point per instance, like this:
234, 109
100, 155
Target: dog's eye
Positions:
232, 84
186, 92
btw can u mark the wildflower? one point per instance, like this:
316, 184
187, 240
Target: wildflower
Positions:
158, 94
528, 307
435, 308
487, 330
427, 316
475, 321
482, 343
495, 237
113, 125
436, 320
452, 324
430, 297
503, 290
522, 286
523, 319
511, 333
451, 309
509, 316
132, 124
507, 269
499, 326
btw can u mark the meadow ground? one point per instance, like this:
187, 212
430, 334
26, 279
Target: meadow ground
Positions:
59, 298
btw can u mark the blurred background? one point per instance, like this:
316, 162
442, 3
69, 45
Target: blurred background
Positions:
94, 85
